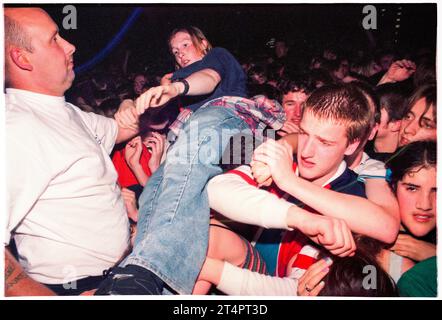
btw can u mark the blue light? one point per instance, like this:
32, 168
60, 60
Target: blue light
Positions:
115, 40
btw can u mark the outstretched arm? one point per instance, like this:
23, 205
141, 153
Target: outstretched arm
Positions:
362, 215
200, 82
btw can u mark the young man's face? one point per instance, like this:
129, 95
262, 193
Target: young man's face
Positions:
322, 145
417, 125
52, 58
292, 104
416, 194
184, 50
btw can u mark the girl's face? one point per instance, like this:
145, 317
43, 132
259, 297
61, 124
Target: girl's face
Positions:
417, 125
416, 194
184, 50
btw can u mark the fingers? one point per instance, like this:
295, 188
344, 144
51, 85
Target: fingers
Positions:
336, 237
260, 171
290, 127
156, 142
311, 284
149, 99
344, 245
127, 193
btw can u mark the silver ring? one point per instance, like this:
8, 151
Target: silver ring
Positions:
307, 288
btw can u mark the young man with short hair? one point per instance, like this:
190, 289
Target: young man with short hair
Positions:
335, 120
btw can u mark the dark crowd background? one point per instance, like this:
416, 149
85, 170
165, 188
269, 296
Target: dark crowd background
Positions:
249, 31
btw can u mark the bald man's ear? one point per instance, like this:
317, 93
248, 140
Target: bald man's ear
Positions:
20, 58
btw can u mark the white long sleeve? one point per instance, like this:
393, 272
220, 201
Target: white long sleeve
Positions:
230, 195
243, 282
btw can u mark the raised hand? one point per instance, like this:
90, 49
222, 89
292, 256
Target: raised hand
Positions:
287, 128
278, 156
399, 71
156, 144
133, 152
261, 173
156, 97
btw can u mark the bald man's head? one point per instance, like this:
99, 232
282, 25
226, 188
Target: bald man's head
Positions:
15, 33
37, 58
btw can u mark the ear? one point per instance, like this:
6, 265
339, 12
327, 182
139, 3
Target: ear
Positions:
351, 148
204, 44
373, 132
395, 126
20, 58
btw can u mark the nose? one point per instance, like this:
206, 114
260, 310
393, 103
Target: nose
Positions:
411, 127
68, 47
180, 53
308, 149
424, 201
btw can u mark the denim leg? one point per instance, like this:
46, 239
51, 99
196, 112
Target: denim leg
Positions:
173, 239
147, 201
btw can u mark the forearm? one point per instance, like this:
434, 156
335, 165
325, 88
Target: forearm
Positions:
139, 173
362, 215
201, 82
125, 134
18, 283
239, 201
385, 79
237, 281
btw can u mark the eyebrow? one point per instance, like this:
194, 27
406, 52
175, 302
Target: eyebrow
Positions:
411, 184
423, 118
318, 137
54, 33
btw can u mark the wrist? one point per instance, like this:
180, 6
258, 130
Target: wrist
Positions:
182, 87
295, 217
134, 166
287, 183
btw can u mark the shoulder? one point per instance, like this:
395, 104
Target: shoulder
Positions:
219, 51
22, 121
220, 54
371, 167
348, 183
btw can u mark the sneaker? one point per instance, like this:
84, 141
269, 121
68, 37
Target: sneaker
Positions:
130, 280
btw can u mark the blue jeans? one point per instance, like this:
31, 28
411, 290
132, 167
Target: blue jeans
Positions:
173, 221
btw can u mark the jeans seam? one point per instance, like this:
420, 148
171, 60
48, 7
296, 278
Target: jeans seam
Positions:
147, 224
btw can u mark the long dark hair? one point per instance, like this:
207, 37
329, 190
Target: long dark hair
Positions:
411, 157
360, 275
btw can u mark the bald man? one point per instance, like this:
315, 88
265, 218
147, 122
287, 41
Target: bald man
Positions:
65, 210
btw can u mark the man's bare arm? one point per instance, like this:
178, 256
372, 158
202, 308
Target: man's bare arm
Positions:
18, 283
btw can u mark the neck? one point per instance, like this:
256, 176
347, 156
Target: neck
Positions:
322, 180
354, 160
387, 144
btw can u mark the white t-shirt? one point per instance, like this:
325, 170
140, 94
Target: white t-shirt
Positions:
65, 208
